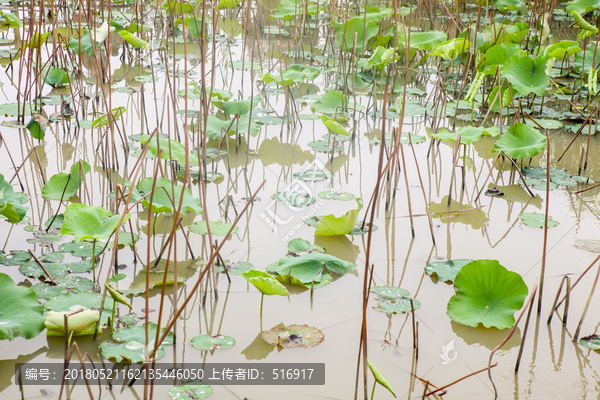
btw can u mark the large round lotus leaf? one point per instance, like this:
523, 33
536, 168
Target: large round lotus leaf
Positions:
33, 270
486, 293
499, 53
389, 292
401, 305
294, 336
89, 222
426, 40
521, 141
591, 342
16, 257
265, 283
582, 6
20, 311
309, 267
446, 270
78, 249
207, 342
536, 220
526, 75
217, 228
190, 391
134, 348
330, 103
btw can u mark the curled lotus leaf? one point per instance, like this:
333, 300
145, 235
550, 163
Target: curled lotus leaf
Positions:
294, 336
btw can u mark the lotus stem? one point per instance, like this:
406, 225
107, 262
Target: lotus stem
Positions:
262, 297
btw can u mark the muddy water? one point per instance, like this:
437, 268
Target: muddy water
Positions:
552, 365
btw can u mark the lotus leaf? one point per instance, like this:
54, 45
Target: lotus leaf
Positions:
89, 222
308, 268
217, 228
486, 293
332, 194
207, 342
313, 175
446, 270
190, 391
295, 199
63, 186
521, 141
451, 49
265, 283
169, 148
591, 342
80, 324
355, 34
20, 311
389, 292
15, 257
330, 103
331, 225
294, 336
582, 6
536, 220
526, 75
300, 245
166, 196
11, 202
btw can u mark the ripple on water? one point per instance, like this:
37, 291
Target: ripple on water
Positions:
591, 245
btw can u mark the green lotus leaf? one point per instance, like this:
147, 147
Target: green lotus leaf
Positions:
293, 74
333, 126
133, 347
300, 245
57, 77
78, 249
355, 34
498, 54
509, 5
294, 336
545, 123
582, 6
583, 65
536, 220
468, 134
193, 26
80, 324
400, 306
323, 146
389, 292
241, 107
104, 119
37, 127
382, 57
15, 257
425, 40
237, 268
89, 222
63, 186
330, 103
170, 149
134, 40
451, 49
166, 197
486, 293
190, 391
207, 342
332, 194
176, 7
446, 270
11, 202
265, 283
217, 228
308, 268
74, 301
313, 175
526, 75
330, 225
295, 199
563, 49
33, 270
521, 141
591, 342
20, 311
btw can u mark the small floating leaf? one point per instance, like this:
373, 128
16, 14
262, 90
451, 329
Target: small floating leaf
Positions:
190, 391
294, 336
217, 228
536, 220
446, 270
207, 342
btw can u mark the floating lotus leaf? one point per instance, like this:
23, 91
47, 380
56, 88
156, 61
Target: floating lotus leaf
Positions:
389, 292
217, 228
169, 149
265, 283
486, 293
313, 175
545, 123
133, 349
89, 222
33, 270
190, 391
401, 305
15, 257
537, 183
300, 245
294, 336
468, 134
509, 5
591, 342
332, 194
446, 270
323, 146
78, 249
361, 229
74, 301
207, 342
526, 75
295, 199
20, 311
309, 268
237, 268
521, 141
536, 220
80, 324
330, 103
166, 198
11, 202
330, 225
293, 74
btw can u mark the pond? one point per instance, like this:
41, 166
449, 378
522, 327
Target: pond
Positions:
294, 188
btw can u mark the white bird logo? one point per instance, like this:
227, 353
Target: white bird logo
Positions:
446, 352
